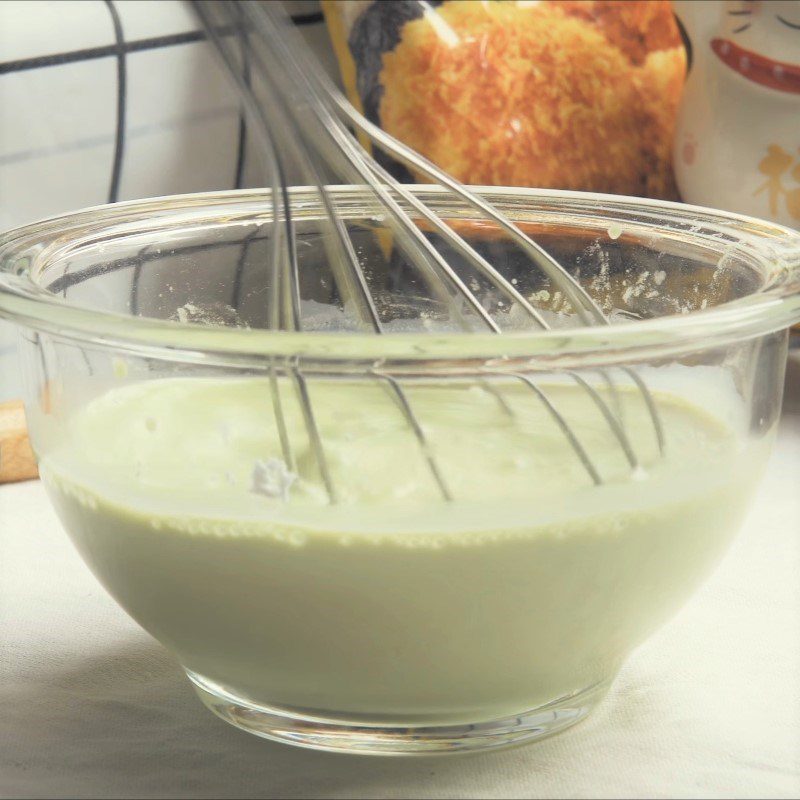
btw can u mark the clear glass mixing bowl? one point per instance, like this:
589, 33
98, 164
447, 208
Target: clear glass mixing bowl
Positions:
418, 560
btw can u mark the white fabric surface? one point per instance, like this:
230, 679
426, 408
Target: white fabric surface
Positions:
90, 706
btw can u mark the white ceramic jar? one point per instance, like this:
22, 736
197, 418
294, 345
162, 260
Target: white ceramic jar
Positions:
737, 143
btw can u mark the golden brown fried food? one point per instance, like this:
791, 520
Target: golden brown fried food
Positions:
572, 95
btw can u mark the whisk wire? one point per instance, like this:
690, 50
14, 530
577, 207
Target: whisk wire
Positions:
575, 443
405, 407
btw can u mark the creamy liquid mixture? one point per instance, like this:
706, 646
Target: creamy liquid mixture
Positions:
393, 605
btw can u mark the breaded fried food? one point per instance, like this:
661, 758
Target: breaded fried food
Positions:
561, 94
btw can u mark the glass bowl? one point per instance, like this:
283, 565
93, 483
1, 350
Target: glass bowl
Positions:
435, 539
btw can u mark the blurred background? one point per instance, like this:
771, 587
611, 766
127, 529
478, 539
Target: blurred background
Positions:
108, 100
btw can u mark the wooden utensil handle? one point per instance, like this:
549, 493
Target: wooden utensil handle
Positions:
17, 462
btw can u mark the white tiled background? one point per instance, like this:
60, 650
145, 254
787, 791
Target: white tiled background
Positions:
58, 122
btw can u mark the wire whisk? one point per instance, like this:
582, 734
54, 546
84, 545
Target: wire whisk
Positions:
304, 125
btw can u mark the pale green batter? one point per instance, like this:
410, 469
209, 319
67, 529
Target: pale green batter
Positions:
393, 604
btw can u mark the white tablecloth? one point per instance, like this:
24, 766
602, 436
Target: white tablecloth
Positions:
90, 706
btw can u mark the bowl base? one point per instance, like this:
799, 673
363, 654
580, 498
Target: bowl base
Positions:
318, 733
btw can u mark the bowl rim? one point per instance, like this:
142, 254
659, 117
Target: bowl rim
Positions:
774, 308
